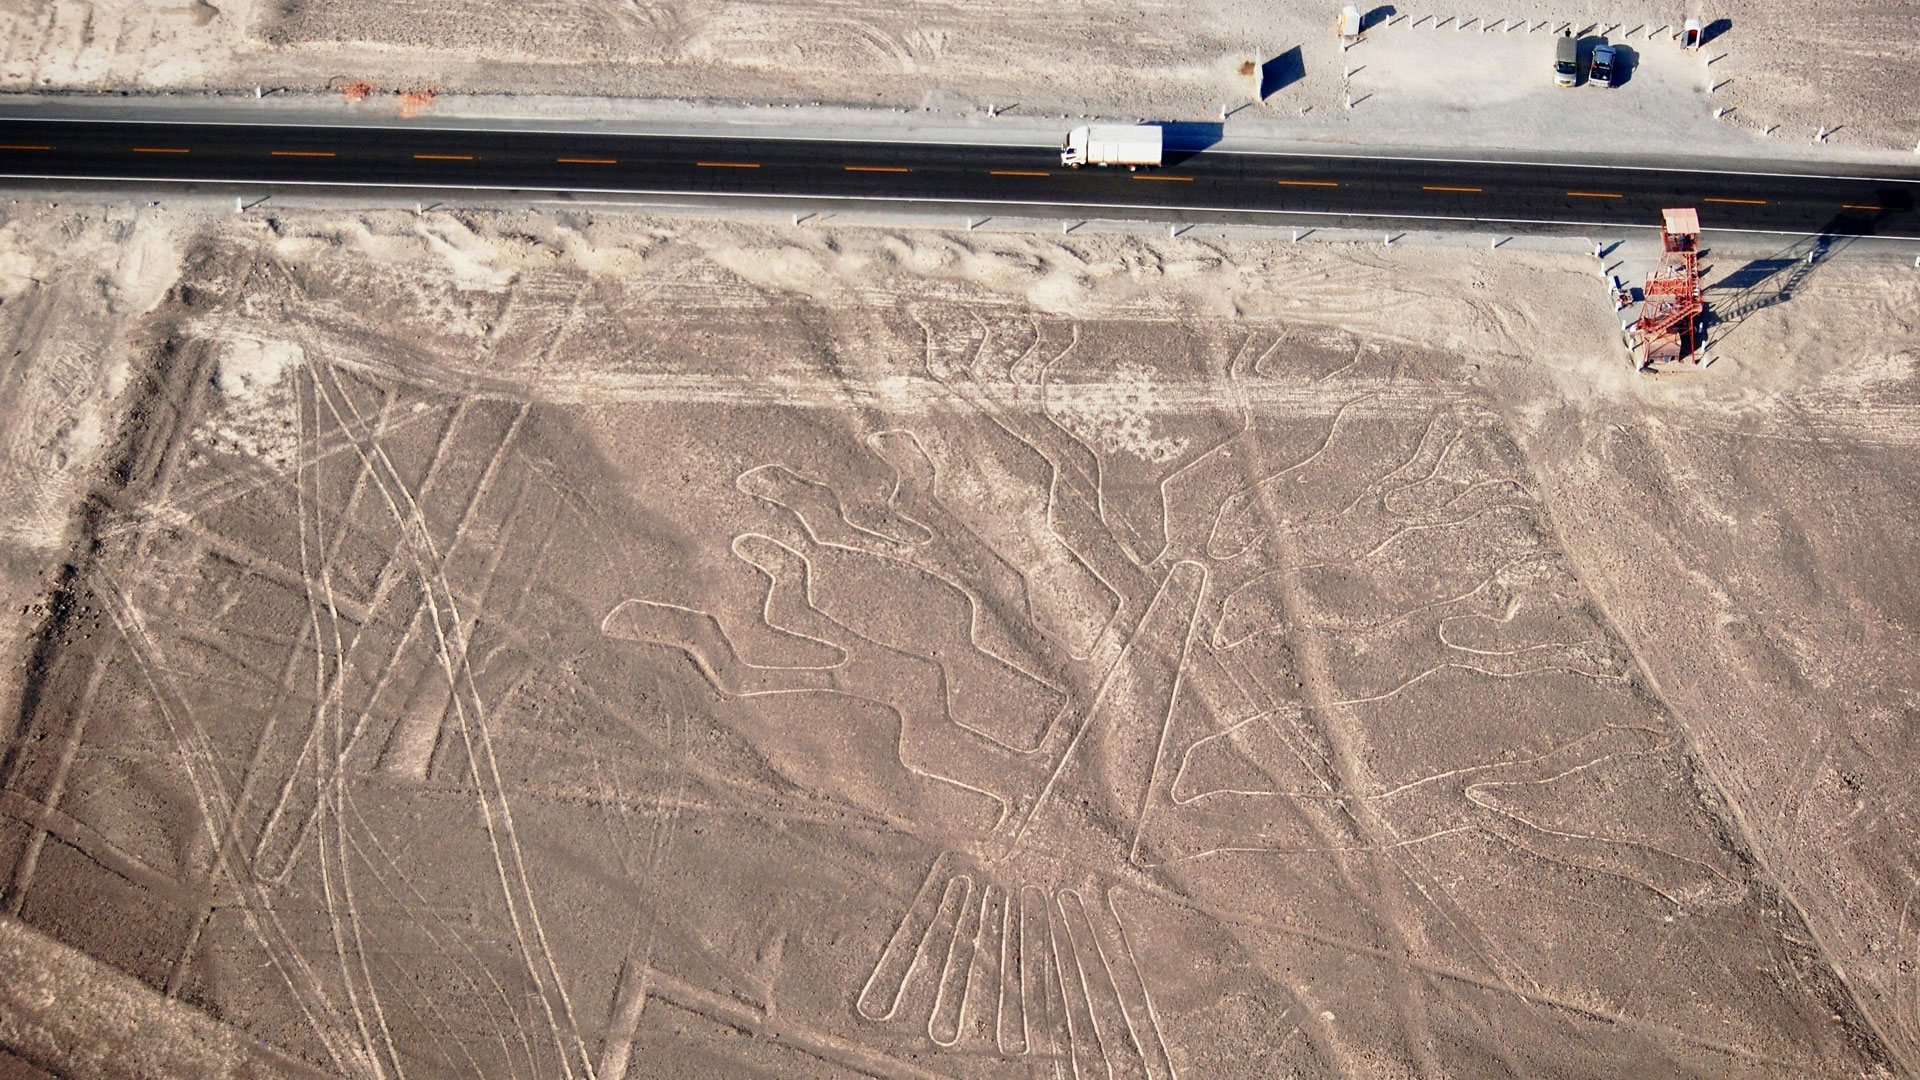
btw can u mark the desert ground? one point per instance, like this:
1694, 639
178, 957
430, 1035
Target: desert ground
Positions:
585, 644
510, 644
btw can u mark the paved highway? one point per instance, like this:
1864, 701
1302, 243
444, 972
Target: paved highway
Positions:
1195, 182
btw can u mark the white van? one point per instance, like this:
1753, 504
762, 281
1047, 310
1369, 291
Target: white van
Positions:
1566, 61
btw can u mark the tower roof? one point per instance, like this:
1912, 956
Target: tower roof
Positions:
1682, 221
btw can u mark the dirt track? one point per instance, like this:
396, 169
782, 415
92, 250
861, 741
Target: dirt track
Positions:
521, 646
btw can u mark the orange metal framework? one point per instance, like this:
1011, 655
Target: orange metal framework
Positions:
1668, 319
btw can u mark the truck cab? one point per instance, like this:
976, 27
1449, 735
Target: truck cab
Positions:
1566, 61
1073, 148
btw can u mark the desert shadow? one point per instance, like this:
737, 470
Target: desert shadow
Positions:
1765, 282
1625, 59
1281, 72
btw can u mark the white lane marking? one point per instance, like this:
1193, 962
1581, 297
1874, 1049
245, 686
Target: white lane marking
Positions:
535, 190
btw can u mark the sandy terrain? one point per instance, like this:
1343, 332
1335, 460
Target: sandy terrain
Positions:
1786, 67
518, 646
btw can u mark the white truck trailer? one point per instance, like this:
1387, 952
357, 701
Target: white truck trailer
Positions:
1130, 145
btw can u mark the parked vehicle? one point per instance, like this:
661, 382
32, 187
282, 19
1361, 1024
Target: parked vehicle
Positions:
1600, 72
1566, 61
1132, 146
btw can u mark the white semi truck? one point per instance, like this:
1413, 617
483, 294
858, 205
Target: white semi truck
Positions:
1129, 145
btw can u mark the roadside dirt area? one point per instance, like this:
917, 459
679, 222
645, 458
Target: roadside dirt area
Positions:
1784, 68
515, 645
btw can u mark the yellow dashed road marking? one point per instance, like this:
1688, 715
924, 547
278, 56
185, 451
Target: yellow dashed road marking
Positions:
1306, 183
727, 164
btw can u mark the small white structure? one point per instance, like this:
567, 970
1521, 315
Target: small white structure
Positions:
1350, 22
1690, 33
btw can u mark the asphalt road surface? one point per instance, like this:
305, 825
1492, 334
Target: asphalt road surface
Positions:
1194, 182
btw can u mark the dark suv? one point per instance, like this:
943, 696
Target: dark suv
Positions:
1600, 72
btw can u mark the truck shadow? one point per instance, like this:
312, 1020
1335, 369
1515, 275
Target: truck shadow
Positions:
1183, 141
